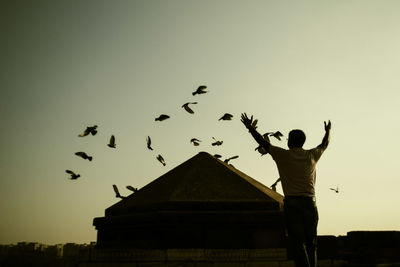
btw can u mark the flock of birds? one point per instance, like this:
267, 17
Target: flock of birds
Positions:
92, 130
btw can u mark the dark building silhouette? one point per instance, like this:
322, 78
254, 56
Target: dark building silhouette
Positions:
202, 203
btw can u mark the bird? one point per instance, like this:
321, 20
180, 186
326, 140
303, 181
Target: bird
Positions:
228, 159
89, 130
254, 124
226, 117
218, 156
74, 176
200, 90
335, 189
273, 186
84, 155
117, 194
195, 141
161, 159
276, 134
217, 142
162, 117
112, 142
133, 189
186, 107
260, 149
148, 139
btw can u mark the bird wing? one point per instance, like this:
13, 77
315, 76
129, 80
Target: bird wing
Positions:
186, 107
70, 172
254, 123
112, 140
161, 159
234, 157
116, 190
85, 132
131, 188
148, 141
81, 154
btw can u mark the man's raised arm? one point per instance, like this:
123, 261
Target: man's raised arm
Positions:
252, 129
327, 136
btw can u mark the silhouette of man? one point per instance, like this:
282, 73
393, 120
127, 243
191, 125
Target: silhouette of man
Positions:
297, 170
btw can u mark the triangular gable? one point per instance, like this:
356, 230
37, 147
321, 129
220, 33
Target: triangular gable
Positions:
202, 178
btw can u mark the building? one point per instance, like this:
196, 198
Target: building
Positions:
200, 210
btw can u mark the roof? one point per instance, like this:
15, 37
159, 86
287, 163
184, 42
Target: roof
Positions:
202, 180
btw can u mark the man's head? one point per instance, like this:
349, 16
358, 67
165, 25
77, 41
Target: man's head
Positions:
296, 138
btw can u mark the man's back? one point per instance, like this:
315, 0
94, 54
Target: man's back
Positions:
297, 169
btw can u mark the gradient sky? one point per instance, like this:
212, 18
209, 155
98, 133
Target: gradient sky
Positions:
119, 64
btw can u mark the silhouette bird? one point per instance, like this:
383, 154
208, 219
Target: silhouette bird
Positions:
200, 90
112, 142
195, 141
89, 130
276, 134
260, 149
228, 159
217, 142
133, 189
254, 124
335, 189
226, 117
74, 176
162, 117
148, 139
273, 186
161, 159
117, 194
84, 155
186, 107
218, 156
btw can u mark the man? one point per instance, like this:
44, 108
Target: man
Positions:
297, 170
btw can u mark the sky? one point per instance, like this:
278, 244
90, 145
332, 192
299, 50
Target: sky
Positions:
119, 64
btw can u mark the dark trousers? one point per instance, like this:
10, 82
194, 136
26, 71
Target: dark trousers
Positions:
301, 218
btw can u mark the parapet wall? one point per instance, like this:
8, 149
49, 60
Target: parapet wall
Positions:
188, 258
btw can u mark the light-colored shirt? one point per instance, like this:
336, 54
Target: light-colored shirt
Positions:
297, 169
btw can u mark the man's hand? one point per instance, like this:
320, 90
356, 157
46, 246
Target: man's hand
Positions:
325, 140
327, 126
246, 121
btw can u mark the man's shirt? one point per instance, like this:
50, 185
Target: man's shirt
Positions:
297, 169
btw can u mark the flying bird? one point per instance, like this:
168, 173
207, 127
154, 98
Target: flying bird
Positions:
133, 189
148, 139
273, 186
276, 134
112, 142
84, 155
186, 107
335, 189
254, 124
161, 159
195, 141
226, 117
117, 194
228, 159
74, 176
162, 117
89, 130
200, 90
217, 142
260, 149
